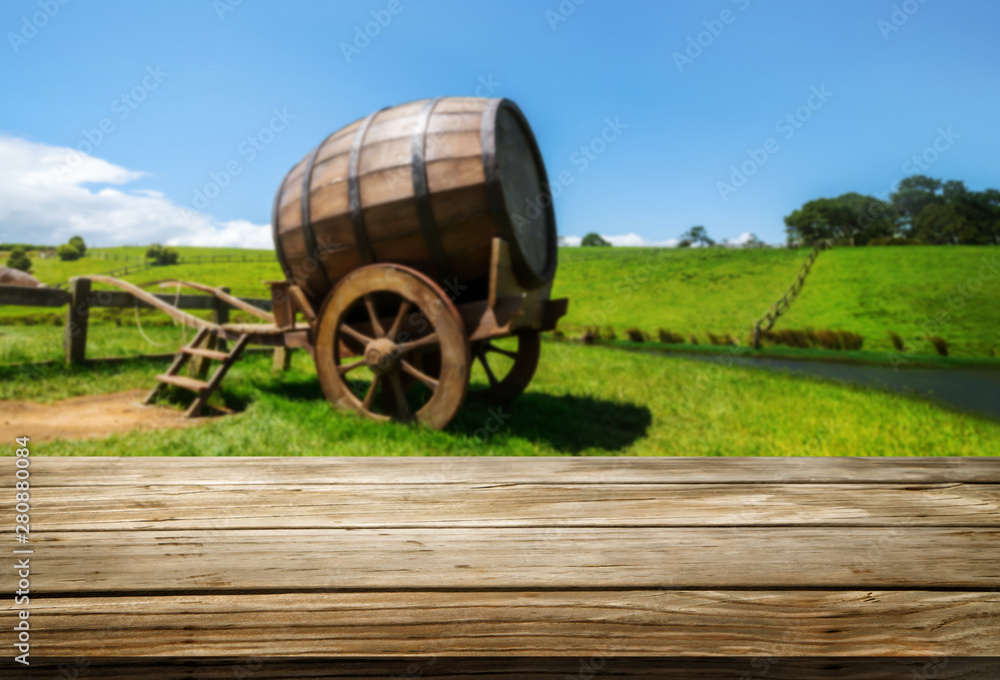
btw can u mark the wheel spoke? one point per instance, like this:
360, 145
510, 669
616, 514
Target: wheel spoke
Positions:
419, 375
347, 368
373, 315
489, 371
404, 309
405, 347
360, 337
370, 396
402, 408
490, 347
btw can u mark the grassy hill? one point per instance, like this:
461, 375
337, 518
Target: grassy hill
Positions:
870, 291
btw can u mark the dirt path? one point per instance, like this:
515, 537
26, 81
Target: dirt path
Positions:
86, 417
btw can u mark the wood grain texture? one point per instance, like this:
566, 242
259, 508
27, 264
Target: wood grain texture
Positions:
628, 623
316, 506
764, 564
483, 558
113, 471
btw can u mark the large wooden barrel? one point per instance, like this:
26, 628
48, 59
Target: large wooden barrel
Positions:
426, 184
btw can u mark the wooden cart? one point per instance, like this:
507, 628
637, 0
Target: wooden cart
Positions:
414, 346
411, 240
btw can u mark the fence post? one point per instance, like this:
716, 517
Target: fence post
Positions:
77, 316
220, 315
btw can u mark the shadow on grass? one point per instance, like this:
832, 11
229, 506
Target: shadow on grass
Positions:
566, 423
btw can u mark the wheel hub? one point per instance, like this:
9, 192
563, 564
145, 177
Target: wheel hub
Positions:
381, 355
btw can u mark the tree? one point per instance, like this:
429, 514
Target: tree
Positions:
153, 252
946, 212
18, 259
684, 243
851, 217
754, 242
67, 253
698, 235
593, 239
913, 195
77, 242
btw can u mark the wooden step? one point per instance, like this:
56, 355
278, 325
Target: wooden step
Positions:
207, 353
183, 381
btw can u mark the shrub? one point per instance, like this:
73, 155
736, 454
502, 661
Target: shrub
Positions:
825, 338
18, 259
591, 334
78, 243
558, 335
897, 342
939, 345
162, 256
730, 340
851, 341
669, 337
609, 333
635, 335
593, 239
693, 339
67, 253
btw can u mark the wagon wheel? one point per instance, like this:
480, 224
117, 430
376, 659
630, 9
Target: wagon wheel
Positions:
504, 388
378, 327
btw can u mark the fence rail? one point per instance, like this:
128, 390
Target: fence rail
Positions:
766, 322
79, 306
142, 264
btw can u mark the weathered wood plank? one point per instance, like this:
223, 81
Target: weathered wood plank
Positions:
623, 623
316, 506
109, 471
516, 558
33, 297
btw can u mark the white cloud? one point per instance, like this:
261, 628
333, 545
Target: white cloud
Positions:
43, 199
742, 239
630, 239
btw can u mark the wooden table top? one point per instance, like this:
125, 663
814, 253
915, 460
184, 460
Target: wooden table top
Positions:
519, 557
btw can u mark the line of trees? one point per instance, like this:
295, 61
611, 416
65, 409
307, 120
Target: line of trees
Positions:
922, 210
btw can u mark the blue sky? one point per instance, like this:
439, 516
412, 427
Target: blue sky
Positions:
896, 79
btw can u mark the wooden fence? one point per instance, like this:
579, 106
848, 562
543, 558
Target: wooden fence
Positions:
80, 299
141, 264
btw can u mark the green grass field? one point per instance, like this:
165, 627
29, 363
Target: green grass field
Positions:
870, 291
583, 401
